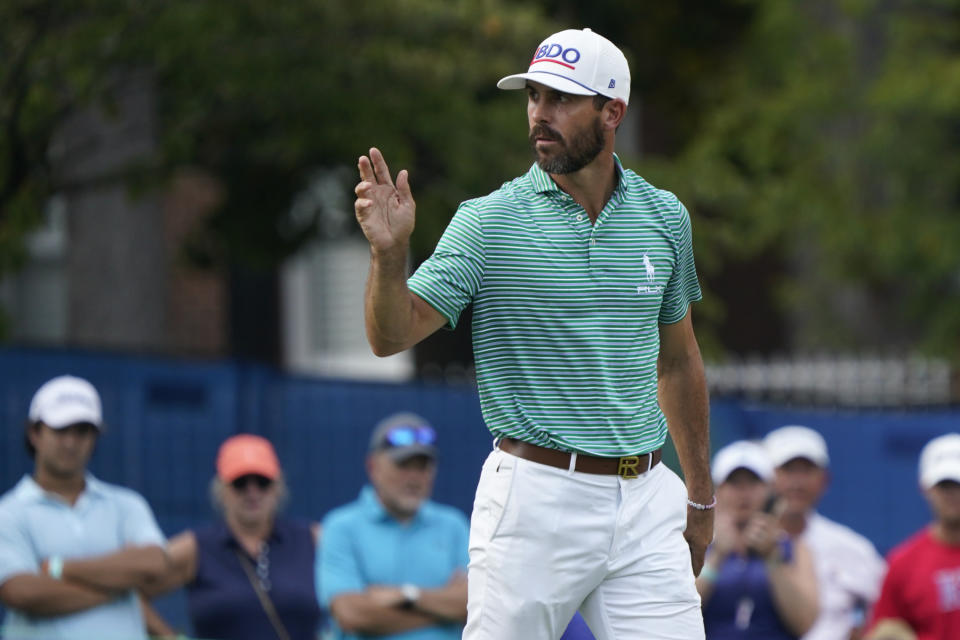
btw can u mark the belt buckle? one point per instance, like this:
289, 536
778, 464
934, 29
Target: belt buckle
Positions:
627, 468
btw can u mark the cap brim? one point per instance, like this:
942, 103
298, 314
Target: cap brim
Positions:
267, 471
781, 458
939, 474
400, 454
759, 473
69, 416
552, 80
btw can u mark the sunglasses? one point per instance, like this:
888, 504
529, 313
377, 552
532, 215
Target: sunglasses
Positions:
241, 483
405, 435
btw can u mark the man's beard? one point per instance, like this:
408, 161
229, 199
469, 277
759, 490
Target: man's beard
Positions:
584, 146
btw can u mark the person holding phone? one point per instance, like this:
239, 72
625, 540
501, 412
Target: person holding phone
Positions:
756, 582
849, 569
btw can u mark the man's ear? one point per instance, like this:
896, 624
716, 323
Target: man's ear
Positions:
373, 464
613, 113
33, 432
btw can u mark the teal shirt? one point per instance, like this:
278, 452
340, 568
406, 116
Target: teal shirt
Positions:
566, 313
363, 545
35, 525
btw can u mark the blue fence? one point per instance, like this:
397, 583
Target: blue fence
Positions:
167, 418
874, 484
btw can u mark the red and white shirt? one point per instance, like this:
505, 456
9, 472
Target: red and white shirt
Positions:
922, 587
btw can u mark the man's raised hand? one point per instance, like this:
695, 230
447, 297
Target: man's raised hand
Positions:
385, 212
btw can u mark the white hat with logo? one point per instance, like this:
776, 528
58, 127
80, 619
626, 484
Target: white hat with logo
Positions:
577, 61
742, 454
786, 443
940, 460
64, 401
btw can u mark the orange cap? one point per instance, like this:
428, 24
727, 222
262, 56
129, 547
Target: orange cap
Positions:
245, 454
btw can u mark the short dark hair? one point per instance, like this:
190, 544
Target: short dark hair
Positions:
599, 101
34, 425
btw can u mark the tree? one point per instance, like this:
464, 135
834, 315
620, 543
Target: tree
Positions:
832, 143
817, 139
263, 94
54, 58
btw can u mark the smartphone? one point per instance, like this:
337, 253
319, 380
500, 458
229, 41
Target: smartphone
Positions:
771, 503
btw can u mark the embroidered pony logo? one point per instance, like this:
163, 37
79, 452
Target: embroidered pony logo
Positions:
651, 272
651, 286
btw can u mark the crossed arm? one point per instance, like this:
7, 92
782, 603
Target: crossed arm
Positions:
41, 595
378, 610
84, 583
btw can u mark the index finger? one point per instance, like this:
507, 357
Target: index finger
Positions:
366, 170
380, 166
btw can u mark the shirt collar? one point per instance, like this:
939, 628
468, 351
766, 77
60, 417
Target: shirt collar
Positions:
543, 183
29, 491
374, 509
371, 504
94, 486
226, 539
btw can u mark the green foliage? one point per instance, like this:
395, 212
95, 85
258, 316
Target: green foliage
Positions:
677, 50
263, 94
54, 56
833, 140
823, 131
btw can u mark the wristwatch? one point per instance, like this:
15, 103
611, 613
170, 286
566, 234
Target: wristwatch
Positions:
411, 593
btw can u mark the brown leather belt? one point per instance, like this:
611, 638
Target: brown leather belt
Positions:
625, 467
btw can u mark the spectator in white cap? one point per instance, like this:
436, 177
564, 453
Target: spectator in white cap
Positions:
921, 590
73, 549
849, 569
757, 582
581, 277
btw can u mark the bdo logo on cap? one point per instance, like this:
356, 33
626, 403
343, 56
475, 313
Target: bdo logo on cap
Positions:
554, 52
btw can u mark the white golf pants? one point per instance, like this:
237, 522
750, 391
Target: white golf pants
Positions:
545, 542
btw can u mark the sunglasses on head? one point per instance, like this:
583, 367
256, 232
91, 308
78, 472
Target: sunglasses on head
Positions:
241, 483
406, 435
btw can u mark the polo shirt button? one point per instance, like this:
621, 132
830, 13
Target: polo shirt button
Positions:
593, 241
579, 217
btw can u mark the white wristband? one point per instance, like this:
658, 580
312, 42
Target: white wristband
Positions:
703, 507
55, 567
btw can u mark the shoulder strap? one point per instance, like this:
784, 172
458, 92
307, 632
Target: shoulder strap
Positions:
265, 600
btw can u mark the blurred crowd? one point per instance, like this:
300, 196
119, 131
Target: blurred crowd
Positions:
82, 559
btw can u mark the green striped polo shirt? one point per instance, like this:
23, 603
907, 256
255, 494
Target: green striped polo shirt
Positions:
565, 312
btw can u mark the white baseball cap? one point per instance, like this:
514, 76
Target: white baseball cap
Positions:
742, 454
577, 61
64, 401
940, 460
793, 441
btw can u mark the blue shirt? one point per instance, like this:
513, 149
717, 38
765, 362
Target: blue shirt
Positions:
364, 545
223, 603
35, 525
741, 606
